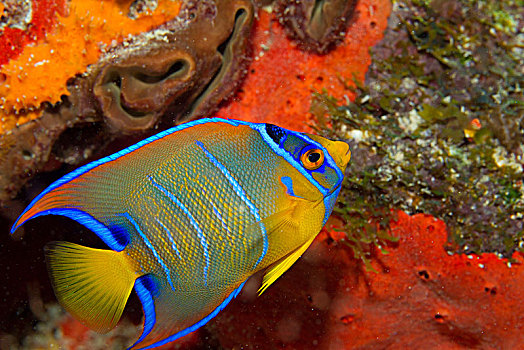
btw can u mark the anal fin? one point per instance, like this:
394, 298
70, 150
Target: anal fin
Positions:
91, 284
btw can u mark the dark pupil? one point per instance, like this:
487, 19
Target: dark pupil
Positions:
313, 157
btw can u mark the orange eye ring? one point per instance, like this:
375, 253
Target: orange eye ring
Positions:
312, 159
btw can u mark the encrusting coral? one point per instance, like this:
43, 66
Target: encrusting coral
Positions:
62, 40
420, 297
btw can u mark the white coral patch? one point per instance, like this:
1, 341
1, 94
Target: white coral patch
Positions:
411, 122
503, 158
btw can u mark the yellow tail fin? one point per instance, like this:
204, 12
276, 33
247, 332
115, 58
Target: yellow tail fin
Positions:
91, 284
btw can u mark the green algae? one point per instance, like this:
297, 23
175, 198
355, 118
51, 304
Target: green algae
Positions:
441, 65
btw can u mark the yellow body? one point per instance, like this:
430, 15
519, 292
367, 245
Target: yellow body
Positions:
189, 214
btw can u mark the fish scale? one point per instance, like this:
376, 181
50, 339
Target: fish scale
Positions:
188, 215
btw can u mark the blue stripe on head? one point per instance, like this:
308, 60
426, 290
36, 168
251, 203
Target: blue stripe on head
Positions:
151, 247
197, 325
146, 289
242, 194
289, 157
288, 182
113, 241
329, 203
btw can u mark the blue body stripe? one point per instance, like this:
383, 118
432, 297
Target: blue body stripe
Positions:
197, 325
148, 305
88, 221
217, 213
224, 225
240, 192
150, 246
90, 166
170, 236
200, 234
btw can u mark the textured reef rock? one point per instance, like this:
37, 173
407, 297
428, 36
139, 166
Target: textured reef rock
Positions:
180, 70
420, 298
438, 125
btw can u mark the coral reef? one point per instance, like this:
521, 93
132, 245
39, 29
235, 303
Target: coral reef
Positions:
438, 126
420, 298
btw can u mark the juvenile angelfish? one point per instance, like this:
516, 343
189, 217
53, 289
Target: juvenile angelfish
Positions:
188, 214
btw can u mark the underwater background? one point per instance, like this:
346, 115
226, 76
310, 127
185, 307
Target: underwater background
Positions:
424, 248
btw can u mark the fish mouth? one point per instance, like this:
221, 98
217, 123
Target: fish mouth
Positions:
346, 158
341, 149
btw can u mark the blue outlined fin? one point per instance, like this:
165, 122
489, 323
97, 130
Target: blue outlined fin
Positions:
170, 315
96, 190
147, 289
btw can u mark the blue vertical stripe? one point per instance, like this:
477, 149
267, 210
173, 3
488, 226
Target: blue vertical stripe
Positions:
169, 236
217, 213
150, 246
200, 234
240, 192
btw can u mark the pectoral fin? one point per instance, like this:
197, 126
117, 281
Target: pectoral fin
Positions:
279, 226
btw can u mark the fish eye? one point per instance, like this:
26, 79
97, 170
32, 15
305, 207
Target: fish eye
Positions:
312, 159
